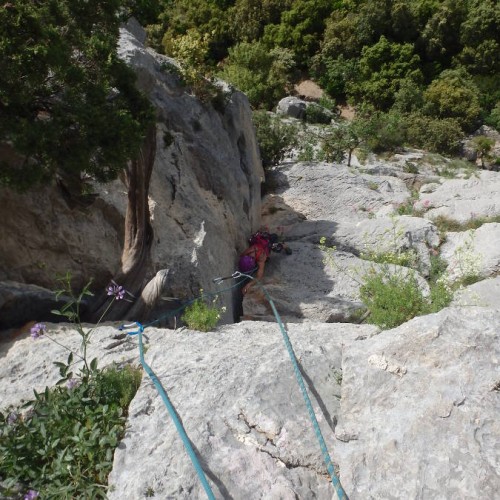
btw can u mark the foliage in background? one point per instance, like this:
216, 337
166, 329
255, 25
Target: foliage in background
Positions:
61, 444
263, 74
276, 139
437, 58
68, 103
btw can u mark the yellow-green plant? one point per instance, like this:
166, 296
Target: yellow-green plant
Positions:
202, 316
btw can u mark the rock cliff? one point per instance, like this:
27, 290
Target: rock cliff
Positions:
204, 198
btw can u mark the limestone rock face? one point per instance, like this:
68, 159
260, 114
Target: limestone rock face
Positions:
356, 214
420, 407
406, 413
473, 253
463, 199
204, 197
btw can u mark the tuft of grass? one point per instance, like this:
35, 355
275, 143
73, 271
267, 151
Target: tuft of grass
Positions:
445, 224
202, 316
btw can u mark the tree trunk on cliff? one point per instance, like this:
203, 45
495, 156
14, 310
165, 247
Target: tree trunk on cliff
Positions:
138, 234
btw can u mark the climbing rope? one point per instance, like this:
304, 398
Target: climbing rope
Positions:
326, 456
171, 410
180, 429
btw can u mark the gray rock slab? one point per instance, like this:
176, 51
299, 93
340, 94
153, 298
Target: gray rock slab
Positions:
315, 285
235, 393
473, 253
463, 199
334, 192
26, 364
485, 293
420, 408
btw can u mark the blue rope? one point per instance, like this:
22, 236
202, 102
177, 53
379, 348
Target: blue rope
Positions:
326, 456
171, 411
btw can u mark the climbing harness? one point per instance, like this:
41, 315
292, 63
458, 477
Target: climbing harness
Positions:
180, 429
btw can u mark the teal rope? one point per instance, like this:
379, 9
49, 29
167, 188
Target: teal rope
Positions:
171, 411
161, 390
326, 456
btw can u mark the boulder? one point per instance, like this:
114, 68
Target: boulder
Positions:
20, 303
420, 406
292, 106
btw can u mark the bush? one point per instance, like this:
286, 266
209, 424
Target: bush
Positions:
202, 316
276, 139
454, 95
318, 114
391, 299
263, 75
433, 134
63, 445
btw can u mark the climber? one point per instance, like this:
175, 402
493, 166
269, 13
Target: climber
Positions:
254, 258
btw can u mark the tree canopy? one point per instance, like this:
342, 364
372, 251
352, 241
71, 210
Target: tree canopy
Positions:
67, 102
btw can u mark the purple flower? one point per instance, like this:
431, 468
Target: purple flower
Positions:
31, 495
12, 418
71, 383
426, 203
116, 290
38, 330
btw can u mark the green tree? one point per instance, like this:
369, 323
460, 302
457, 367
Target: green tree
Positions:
439, 36
248, 18
68, 105
435, 134
300, 29
483, 145
494, 118
276, 139
207, 17
263, 75
382, 68
454, 95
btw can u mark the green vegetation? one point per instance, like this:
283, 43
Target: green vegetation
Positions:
202, 316
61, 444
432, 67
444, 224
276, 139
391, 299
69, 104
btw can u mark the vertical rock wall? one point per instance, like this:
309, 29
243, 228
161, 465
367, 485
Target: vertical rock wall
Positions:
204, 196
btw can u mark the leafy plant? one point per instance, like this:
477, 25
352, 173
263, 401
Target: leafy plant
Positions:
276, 139
61, 444
391, 299
202, 316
